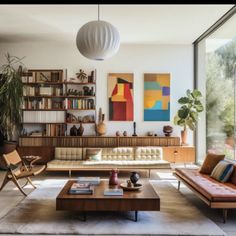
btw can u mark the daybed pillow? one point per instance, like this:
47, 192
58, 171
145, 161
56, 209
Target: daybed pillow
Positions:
233, 176
222, 171
210, 162
93, 154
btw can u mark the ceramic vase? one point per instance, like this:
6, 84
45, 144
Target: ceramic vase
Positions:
113, 180
80, 130
184, 137
134, 177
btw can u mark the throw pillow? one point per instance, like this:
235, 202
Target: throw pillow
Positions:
222, 171
210, 162
233, 176
94, 154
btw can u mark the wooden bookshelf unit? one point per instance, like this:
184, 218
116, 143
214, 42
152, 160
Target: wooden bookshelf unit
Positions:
50, 99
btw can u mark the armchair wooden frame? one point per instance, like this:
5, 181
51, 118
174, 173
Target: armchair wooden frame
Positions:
17, 169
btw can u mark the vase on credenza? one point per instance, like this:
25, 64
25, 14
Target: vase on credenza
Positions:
184, 137
80, 130
101, 126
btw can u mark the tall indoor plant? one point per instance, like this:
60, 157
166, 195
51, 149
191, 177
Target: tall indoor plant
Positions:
187, 115
11, 95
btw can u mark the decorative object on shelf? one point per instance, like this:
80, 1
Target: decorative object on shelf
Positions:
73, 131
120, 95
134, 126
86, 90
117, 133
187, 115
125, 133
150, 133
80, 130
155, 135
91, 78
81, 76
157, 97
101, 126
98, 40
113, 180
134, 177
70, 118
167, 130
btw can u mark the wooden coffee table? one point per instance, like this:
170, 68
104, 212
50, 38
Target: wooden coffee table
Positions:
144, 200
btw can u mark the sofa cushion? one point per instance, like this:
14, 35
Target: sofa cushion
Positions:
210, 162
94, 154
212, 189
119, 153
68, 153
70, 165
148, 153
222, 171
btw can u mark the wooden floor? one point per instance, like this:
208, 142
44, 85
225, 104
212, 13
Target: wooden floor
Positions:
10, 196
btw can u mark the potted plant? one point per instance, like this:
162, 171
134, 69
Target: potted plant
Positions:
187, 115
11, 96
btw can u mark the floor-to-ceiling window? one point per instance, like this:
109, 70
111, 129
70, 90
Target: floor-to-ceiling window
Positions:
216, 65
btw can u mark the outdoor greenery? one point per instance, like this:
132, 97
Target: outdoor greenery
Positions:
220, 100
187, 115
11, 95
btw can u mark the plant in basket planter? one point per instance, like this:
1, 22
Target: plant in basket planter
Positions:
187, 115
11, 96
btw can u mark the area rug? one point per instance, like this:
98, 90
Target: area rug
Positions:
36, 214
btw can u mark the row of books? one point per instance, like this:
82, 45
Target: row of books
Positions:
43, 91
85, 185
41, 76
55, 130
42, 103
80, 104
44, 116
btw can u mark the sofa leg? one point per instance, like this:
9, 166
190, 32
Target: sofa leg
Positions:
225, 213
179, 185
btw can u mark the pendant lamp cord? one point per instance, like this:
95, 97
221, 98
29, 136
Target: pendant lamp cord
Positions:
98, 12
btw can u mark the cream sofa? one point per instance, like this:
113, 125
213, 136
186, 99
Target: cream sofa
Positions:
73, 159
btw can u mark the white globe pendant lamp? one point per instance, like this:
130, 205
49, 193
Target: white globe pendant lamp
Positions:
98, 40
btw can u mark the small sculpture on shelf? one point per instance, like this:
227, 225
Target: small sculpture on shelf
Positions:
81, 75
117, 133
86, 90
134, 125
70, 118
125, 133
80, 130
167, 129
91, 78
73, 131
150, 133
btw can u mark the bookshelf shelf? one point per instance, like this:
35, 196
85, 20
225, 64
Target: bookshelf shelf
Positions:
52, 109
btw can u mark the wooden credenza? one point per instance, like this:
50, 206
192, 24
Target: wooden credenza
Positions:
44, 146
179, 154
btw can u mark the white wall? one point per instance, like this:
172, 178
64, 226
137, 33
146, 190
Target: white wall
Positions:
137, 59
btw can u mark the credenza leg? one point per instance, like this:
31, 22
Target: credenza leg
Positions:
84, 215
225, 213
136, 216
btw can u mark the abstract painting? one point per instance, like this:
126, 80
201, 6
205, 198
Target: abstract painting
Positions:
156, 97
120, 94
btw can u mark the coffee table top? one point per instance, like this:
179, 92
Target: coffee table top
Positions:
147, 192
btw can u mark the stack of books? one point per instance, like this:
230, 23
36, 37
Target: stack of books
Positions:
81, 188
89, 180
113, 192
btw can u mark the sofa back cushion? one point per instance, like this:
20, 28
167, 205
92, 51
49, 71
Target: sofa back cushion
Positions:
222, 171
210, 162
148, 153
68, 153
119, 153
93, 154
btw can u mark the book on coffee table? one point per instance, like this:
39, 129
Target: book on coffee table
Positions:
113, 192
90, 180
81, 188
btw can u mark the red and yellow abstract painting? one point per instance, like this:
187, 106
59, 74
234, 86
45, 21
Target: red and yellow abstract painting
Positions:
120, 95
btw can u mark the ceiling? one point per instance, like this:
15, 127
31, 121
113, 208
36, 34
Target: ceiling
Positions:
137, 24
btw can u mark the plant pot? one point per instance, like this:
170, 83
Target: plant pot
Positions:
184, 137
